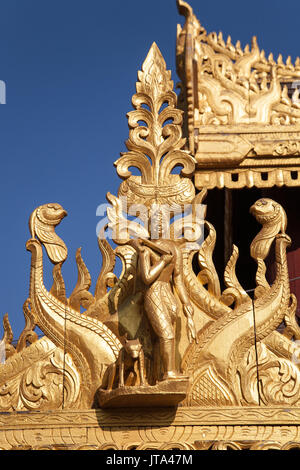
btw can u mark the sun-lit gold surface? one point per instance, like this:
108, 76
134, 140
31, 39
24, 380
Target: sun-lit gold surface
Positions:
186, 429
161, 356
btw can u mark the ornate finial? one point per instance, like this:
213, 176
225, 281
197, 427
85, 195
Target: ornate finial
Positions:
184, 8
155, 141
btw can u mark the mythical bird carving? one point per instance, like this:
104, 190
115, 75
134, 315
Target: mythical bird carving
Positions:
42, 225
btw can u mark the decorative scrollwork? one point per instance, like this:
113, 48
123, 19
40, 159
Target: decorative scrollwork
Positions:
155, 148
269, 379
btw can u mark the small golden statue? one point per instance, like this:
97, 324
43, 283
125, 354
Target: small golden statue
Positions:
160, 267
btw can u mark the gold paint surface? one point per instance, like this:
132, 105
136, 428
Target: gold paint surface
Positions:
230, 94
161, 356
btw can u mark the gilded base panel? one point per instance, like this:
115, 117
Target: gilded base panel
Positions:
166, 393
165, 428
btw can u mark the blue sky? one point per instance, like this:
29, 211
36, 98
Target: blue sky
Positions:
70, 68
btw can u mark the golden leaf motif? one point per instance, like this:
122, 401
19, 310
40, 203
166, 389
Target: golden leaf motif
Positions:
278, 379
155, 139
39, 378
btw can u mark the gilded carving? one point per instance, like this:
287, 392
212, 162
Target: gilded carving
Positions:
205, 364
39, 378
188, 333
238, 105
236, 86
278, 378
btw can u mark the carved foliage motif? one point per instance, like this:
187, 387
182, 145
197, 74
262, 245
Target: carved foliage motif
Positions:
41, 378
155, 147
234, 86
278, 378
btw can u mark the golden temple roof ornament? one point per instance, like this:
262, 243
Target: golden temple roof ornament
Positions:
188, 364
242, 109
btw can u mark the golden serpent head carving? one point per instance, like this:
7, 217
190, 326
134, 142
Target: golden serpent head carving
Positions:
42, 223
266, 210
49, 214
273, 218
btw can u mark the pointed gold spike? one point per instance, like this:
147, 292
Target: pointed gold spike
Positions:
220, 39
263, 56
254, 44
238, 48
229, 45
289, 63
279, 60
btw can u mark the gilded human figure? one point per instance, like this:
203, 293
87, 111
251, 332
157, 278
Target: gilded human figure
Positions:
160, 269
